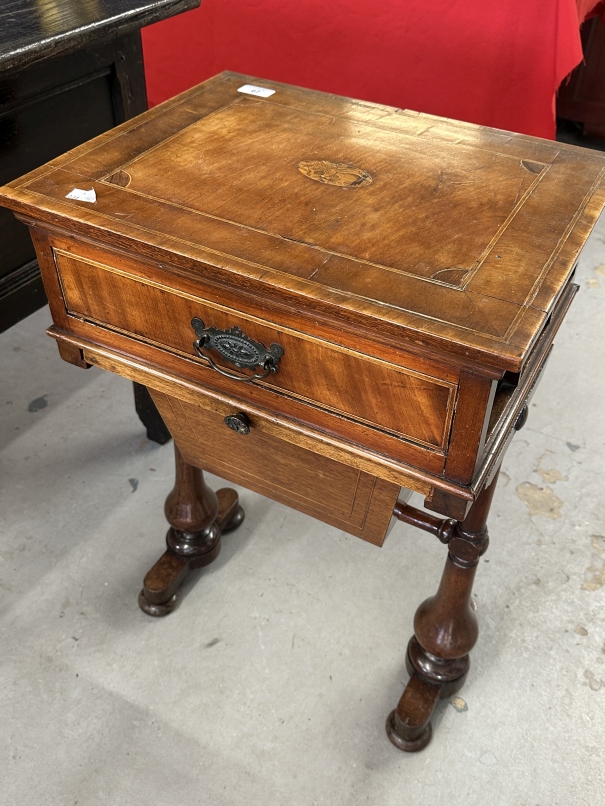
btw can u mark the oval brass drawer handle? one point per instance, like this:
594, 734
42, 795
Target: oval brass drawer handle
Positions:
237, 348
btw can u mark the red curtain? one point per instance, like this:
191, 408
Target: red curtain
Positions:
495, 63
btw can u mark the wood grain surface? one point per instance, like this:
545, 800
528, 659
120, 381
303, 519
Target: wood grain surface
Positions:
352, 500
411, 405
464, 239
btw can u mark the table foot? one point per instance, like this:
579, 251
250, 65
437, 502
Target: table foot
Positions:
197, 517
158, 610
161, 589
409, 726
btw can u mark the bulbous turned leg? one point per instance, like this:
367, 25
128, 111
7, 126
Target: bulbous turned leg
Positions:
197, 518
445, 631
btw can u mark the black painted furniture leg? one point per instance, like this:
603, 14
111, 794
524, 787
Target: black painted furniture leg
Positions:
149, 415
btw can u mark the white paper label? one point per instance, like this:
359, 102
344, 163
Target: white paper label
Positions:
82, 195
250, 89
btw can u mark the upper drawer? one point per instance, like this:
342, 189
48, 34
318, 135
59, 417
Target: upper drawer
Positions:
122, 293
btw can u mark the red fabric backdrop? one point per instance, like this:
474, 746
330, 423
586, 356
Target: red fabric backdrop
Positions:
495, 63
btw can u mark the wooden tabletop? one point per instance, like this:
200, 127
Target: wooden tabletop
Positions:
31, 30
453, 236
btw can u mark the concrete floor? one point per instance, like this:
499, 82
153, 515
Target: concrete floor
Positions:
271, 683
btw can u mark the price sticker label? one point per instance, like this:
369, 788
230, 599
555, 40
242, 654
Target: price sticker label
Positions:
260, 92
83, 195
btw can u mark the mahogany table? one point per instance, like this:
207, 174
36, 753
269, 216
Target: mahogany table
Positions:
329, 301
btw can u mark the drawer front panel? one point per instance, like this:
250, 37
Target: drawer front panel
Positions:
336, 493
407, 404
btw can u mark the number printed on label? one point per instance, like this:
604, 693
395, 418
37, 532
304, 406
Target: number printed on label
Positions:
250, 89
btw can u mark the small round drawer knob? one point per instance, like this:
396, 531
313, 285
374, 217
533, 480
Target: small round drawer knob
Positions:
240, 423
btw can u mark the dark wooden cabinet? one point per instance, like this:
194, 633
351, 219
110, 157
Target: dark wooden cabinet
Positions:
581, 98
47, 109
69, 70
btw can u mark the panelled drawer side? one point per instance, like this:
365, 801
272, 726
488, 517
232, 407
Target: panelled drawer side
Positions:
334, 492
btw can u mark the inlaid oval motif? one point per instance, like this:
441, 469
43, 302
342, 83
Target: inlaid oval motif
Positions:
334, 173
120, 178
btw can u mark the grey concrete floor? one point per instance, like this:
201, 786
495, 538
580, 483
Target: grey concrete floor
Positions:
271, 683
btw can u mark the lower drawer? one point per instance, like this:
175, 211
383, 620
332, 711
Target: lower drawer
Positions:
345, 497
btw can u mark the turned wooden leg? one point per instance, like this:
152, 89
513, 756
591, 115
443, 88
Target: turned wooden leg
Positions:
445, 631
197, 517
